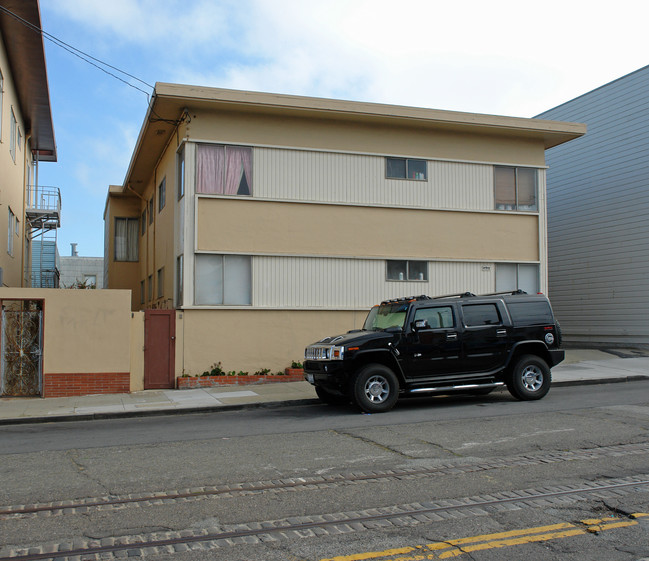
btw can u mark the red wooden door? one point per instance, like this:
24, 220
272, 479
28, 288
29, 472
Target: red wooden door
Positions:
159, 349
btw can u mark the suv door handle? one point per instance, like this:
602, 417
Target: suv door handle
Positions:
501, 333
451, 336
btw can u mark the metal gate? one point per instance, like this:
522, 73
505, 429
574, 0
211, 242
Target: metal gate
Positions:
22, 343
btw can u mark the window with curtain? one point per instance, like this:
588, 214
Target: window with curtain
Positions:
517, 276
515, 188
223, 280
126, 239
223, 170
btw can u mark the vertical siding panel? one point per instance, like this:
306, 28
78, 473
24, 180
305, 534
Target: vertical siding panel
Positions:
348, 178
301, 282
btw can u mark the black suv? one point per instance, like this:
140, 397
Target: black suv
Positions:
457, 343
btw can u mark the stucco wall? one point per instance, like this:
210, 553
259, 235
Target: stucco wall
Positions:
92, 343
250, 340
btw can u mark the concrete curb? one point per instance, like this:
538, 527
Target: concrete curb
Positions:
262, 405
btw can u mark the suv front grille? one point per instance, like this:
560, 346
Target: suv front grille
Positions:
317, 353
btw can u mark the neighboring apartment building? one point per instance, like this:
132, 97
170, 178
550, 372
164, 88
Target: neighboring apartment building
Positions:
271, 220
46, 264
598, 203
26, 137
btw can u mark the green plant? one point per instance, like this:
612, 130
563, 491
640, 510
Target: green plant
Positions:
262, 372
296, 364
215, 370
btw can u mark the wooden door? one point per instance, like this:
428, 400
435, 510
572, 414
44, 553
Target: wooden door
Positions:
159, 349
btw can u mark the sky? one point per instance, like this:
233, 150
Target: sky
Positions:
501, 57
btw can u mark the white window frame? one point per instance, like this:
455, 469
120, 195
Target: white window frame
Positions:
222, 280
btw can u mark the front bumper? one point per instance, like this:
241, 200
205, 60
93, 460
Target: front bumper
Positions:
328, 374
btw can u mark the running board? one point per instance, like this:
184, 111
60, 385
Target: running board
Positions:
463, 387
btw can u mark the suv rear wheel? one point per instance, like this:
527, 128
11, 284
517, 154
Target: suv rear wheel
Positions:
529, 378
375, 388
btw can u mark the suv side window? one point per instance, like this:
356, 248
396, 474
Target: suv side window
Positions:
440, 317
531, 313
481, 314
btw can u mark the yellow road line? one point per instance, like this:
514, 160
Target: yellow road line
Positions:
448, 549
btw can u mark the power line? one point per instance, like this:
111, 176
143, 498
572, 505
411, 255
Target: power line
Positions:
80, 54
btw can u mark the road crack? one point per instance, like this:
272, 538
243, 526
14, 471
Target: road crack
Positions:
374, 443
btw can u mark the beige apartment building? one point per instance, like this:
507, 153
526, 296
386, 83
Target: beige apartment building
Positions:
263, 222
26, 137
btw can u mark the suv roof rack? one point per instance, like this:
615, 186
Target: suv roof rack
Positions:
458, 295
406, 299
511, 292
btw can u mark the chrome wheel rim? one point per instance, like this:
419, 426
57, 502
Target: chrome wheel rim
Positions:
377, 389
532, 378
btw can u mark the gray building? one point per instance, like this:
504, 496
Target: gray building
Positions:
79, 272
598, 203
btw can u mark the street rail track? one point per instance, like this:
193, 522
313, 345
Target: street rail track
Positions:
309, 526
67, 507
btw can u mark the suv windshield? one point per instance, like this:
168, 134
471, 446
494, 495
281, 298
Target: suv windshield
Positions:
386, 315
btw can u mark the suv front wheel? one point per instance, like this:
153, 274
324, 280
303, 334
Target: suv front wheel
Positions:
530, 378
375, 388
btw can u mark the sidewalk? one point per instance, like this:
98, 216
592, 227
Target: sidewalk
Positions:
580, 367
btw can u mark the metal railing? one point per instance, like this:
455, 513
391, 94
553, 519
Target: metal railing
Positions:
43, 198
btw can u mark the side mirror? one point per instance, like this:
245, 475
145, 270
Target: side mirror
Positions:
420, 324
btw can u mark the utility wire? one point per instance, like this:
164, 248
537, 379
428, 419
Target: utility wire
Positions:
99, 64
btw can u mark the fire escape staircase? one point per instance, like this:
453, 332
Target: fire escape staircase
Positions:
44, 219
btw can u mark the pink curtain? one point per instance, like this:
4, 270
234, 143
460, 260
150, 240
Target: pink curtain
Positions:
238, 163
209, 168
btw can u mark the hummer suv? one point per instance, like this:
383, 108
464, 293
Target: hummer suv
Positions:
422, 346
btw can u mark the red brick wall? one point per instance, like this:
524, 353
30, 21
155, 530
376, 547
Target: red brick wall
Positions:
64, 385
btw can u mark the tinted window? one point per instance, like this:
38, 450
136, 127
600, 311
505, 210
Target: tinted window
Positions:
530, 313
481, 314
441, 317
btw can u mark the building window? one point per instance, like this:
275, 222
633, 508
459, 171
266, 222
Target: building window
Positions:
150, 287
151, 209
223, 170
143, 221
162, 194
126, 240
517, 276
20, 139
223, 280
403, 168
181, 173
10, 232
407, 270
142, 292
13, 130
515, 188
179, 280
161, 283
